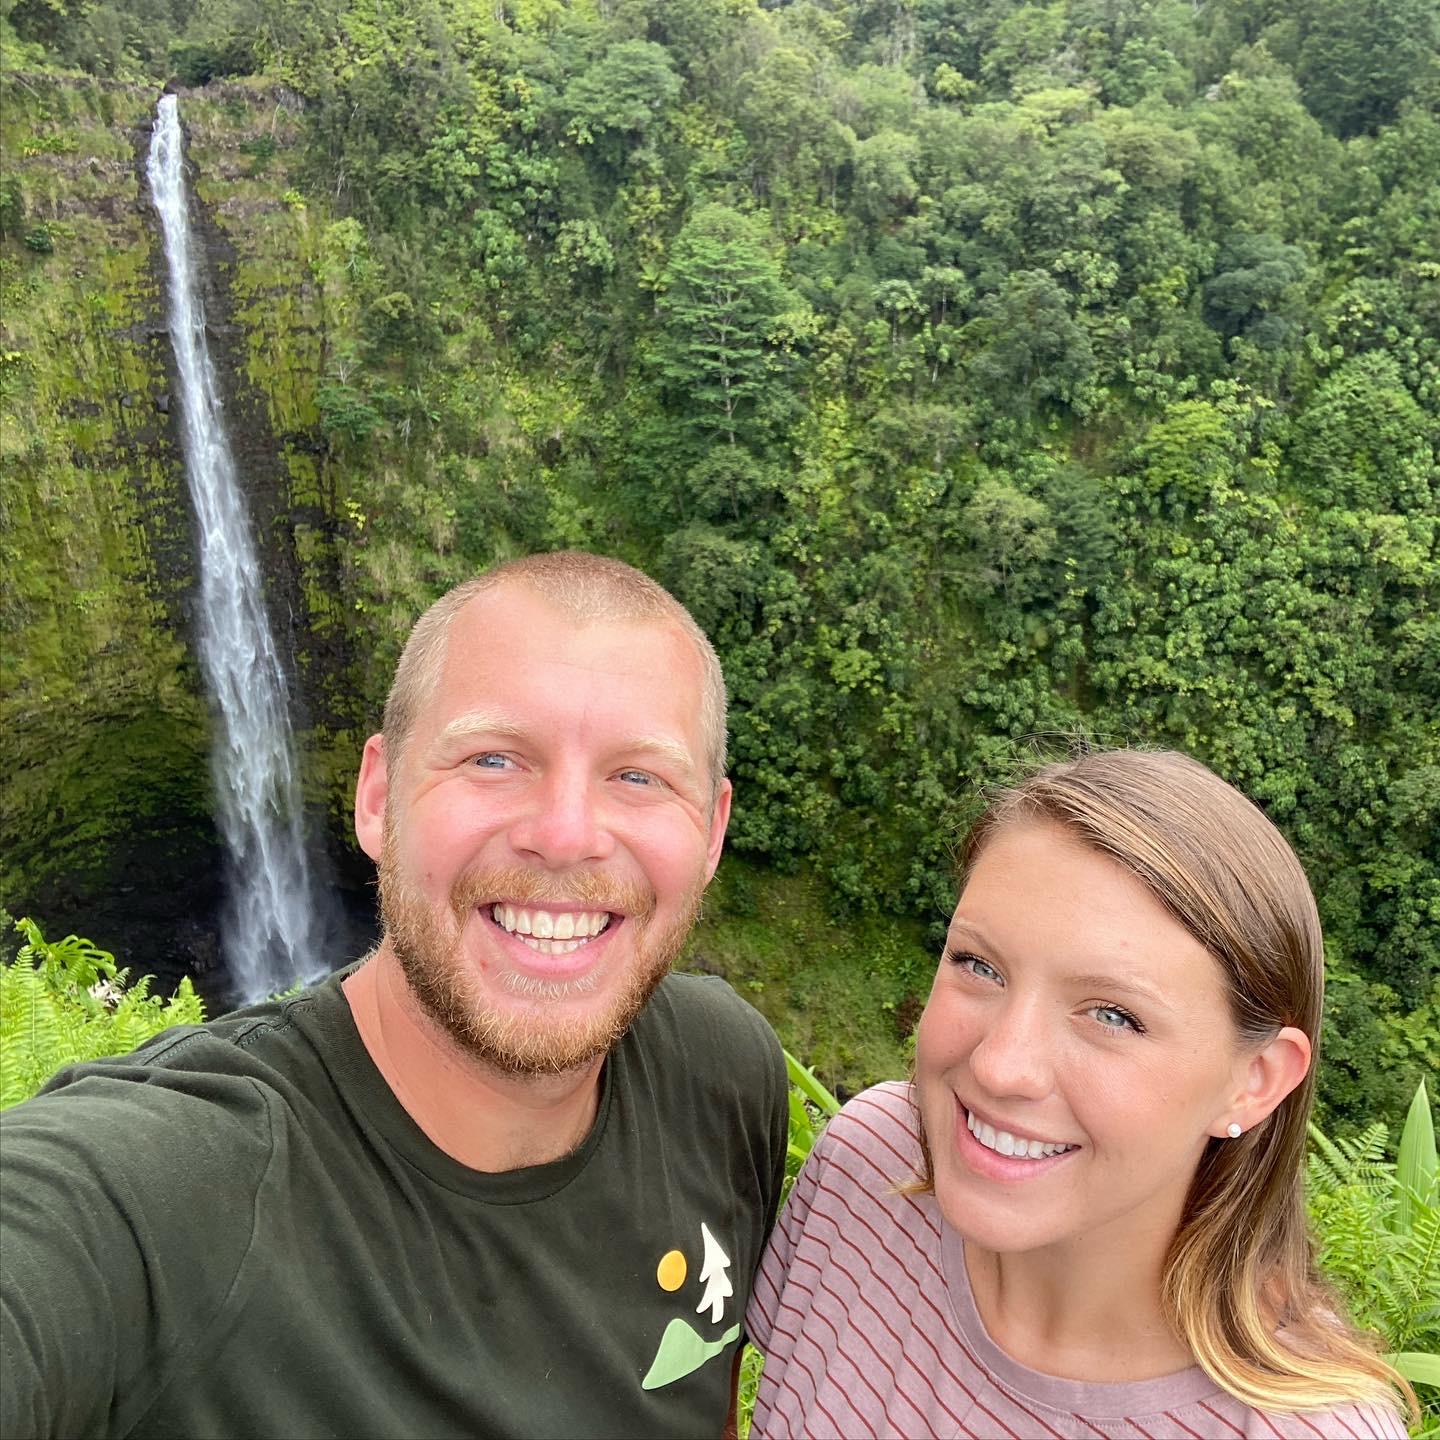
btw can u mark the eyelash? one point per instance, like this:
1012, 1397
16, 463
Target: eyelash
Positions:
1132, 1022
960, 958
478, 762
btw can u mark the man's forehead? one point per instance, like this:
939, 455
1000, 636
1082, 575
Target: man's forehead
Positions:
498, 643
510, 598
514, 615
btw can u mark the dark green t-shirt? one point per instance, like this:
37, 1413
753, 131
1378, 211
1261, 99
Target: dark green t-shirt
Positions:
238, 1231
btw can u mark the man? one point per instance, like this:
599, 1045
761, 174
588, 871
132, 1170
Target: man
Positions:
503, 1177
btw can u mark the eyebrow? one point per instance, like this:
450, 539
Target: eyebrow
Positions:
1100, 982
478, 722
493, 722
659, 745
1097, 980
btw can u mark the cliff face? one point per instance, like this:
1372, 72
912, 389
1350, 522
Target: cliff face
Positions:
105, 792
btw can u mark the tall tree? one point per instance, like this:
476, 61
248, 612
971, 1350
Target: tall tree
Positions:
723, 298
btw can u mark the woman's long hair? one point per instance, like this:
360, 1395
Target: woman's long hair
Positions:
1240, 1285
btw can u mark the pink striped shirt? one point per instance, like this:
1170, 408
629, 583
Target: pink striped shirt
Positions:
863, 1308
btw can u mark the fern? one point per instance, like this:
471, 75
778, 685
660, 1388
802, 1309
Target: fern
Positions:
65, 1001
1378, 1239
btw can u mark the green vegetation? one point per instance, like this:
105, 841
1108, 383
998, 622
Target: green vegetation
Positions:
1379, 1229
64, 1001
975, 371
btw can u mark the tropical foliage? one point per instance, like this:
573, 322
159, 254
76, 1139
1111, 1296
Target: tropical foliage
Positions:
974, 369
1378, 1225
65, 1001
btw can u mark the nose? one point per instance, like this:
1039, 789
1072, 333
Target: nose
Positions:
563, 824
1012, 1056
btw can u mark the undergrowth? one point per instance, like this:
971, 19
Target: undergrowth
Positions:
65, 1001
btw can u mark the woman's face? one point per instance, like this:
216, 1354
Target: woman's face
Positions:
1073, 1013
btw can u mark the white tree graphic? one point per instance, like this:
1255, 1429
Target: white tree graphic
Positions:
714, 1278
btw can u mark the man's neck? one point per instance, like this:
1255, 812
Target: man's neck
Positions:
475, 1113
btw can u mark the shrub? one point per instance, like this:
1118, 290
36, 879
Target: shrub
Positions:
66, 1001
12, 206
1377, 1224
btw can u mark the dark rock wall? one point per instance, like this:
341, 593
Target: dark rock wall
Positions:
104, 772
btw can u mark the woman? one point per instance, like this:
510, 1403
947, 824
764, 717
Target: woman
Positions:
1084, 1217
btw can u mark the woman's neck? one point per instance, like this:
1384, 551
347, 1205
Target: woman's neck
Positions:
1086, 1310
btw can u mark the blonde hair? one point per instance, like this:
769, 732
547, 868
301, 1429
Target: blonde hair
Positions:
587, 588
1240, 1284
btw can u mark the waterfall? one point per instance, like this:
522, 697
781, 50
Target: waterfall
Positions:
270, 937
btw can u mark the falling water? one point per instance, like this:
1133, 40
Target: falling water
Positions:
269, 937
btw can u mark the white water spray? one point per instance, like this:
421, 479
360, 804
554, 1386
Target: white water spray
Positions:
270, 937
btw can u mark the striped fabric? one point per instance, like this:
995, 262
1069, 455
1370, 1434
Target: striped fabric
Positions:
863, 1309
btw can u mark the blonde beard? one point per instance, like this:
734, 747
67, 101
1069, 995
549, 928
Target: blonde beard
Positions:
427, 942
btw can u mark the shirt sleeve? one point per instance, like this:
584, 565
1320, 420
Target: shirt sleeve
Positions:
124, 1228
765, 1297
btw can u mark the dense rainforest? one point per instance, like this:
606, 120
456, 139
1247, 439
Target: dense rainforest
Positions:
979, 373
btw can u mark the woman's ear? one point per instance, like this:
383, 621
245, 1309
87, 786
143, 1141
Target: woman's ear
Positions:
1267, 1076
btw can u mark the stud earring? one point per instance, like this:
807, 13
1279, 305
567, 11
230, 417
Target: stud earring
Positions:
1233, 1129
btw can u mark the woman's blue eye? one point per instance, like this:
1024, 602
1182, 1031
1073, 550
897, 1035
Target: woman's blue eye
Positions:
975, 965
1112, 1017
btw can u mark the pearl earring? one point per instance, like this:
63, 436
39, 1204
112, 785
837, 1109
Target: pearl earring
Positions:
1233, 1129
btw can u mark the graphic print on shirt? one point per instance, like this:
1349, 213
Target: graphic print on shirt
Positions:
683, 1349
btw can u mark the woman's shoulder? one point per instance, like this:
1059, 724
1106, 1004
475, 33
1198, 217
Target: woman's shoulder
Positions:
1356, 1421
875, 1135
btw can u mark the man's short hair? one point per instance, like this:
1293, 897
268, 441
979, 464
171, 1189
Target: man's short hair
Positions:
589, 589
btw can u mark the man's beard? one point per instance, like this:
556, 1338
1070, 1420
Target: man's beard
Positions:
428, 943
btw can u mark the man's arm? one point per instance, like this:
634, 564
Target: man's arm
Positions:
121, 1233
732, 1425
72, 1280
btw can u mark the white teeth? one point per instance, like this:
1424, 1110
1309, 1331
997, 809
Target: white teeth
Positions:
1004, 1143
547, 932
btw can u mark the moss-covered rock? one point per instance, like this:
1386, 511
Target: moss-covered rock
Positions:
103, 730
105, 799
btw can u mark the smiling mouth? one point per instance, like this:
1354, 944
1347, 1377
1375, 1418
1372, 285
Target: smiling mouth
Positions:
551, 932
1016, 1146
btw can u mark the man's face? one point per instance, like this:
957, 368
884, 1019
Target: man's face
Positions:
546, 835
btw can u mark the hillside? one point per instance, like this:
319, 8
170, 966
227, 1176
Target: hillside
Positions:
976, 373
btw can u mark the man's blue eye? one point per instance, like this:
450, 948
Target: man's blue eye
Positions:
491, 760
637, 777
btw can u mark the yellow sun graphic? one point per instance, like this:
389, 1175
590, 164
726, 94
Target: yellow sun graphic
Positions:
670, 1272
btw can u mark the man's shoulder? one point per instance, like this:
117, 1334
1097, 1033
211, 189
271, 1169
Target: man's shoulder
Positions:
189, 1076
703, 1010
697, 1026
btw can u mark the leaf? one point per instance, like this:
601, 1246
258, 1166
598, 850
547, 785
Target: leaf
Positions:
804, 1080
1417, 1366
1416, 1169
